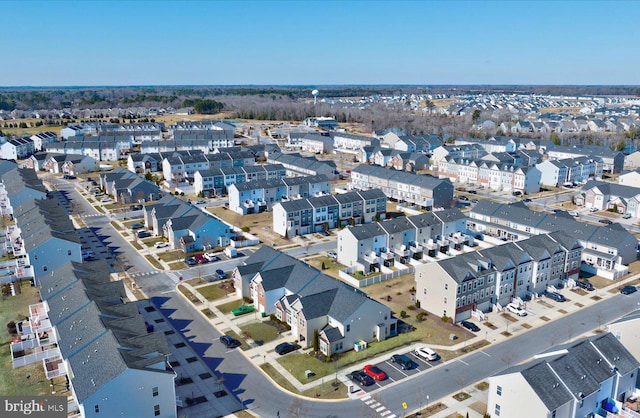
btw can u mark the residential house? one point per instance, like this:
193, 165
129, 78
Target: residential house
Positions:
410, 161
322, 213
476, 281
312, 302
625, 330
630, 178
610, 196
216, 181
632, 161
316, 143
70, 164
608, 249
467, 152
17, 149
196, 232
350, 143
41, 140
296, 165
422, 190
613, 161
326, 123
583, 378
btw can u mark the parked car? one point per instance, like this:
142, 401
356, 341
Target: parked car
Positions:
627, 290
244, 309
403, 361
527, 200
69, 177
474, 201
136, 226
211, 257
555, 296
362, 378
472, 192
375, 372
221, 274
626, 216
606, 221
573, 213
135, 207
229, 341
585, 285
190, 261
105, 200
285, 348
144, 234
593, 210
516, 309
200, 259
463, 198
200, 202
426, 353
470, 326
332, 254
161, 244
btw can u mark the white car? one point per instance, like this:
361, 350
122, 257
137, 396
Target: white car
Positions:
593, 209
426, 353
161, 244
516, 309
211, 257
105, 199
332, 254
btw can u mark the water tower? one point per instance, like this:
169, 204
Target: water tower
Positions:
315, 93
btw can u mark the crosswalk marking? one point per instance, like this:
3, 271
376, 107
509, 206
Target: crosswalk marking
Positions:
377, 406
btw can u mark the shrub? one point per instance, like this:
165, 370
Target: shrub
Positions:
417, 303
247, 300
445, 318
421, 316
398, 293
245, 229
403, 314
411, 308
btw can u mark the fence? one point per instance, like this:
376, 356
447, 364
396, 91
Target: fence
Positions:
368, 281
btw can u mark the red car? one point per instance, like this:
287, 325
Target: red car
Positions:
200, 259
375, 372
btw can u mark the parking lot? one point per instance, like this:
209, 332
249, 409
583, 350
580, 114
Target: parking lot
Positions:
395, 372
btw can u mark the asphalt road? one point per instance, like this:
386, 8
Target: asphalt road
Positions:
258, 393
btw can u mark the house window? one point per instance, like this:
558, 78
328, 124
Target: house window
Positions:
97, 408
497, 411
156, 410
155, 391
446, 286
348, 327
553, 414
424, 291
44, 268
69, 252
499, 390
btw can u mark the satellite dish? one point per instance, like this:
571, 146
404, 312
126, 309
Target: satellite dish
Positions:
315, 93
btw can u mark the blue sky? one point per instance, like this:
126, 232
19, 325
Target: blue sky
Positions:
318, 43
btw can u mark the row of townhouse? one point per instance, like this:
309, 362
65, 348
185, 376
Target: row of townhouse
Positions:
350, 143
400, 160
312, 302
477, 281
421, 190
494, 176
41, 140
185, 226
260, 195
101, 148
467, 152
400, 240
613, 161
127, 187
181, 166
213, 139
42, 236
322, 213
556, 173
298, 165
62, 163
139, 130
589, 377
211, 125
17, 149
311, 142
82, 330
395, 139
169, 145
608, 249
610, 196
216, 181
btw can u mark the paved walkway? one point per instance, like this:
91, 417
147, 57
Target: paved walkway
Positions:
539, 312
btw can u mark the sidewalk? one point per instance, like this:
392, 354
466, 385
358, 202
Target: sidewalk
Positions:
504, 329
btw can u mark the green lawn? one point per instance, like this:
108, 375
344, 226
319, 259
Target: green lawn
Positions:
154, 262
229, 306
298, 363
171, 256
116, 225
326, 390
212, 292
136, 245
260, 332
179, 265
244, 345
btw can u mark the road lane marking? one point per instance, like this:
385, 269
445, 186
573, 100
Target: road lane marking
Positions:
382, 408
461, 361
486, 354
